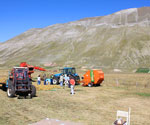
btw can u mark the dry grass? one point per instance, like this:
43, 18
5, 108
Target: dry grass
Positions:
3, 76
46, 87
96, 105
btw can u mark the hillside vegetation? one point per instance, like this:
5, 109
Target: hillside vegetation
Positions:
119, 40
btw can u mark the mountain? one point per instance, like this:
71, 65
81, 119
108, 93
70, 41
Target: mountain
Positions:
119, 40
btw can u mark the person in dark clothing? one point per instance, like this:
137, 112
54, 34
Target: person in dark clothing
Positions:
51, 77
44, 77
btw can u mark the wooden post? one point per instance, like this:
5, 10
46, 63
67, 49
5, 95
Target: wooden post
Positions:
129, 111
117, 82
136, 84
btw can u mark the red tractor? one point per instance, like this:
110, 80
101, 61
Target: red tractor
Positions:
19, 83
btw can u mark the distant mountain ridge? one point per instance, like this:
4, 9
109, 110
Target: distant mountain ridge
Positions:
119, 40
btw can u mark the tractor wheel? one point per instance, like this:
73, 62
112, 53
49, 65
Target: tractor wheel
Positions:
77, 79
90, 84
10, 90
55, 81
33, 91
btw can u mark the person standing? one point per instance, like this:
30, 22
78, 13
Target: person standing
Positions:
61, 80
66, 78
70, 77
44, 77
38, 80
72, 83
51, 77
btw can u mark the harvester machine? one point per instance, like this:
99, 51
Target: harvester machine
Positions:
31, 68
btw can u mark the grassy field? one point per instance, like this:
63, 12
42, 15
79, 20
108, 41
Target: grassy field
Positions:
96, 105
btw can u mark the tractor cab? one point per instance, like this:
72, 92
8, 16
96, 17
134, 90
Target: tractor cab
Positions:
21, 74
68, 70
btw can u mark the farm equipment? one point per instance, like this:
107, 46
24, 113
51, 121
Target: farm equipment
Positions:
93, 78
19, 83
30, 71
31, 68
68, 71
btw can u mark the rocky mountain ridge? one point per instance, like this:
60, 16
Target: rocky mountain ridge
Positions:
119, 40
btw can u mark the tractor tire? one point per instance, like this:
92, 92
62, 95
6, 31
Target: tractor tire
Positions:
33, 91
55, 81
77, 79
10, 90
90, 84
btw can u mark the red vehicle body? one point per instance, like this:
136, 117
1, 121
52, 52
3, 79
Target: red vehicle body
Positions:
19, 83
31, 68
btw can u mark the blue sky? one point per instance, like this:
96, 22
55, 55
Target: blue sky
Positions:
17, 16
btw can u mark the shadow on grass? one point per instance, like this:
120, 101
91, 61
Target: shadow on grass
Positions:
78, 90
24, 97
3, 87
95, 85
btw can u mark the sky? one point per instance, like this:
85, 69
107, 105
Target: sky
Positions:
18, 16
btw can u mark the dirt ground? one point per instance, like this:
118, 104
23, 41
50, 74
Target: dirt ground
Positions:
92, 106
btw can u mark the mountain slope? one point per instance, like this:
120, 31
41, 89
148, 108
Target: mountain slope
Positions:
119, 40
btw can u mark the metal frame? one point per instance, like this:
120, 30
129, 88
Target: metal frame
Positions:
24, 82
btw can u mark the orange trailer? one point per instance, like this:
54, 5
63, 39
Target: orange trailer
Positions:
93, 78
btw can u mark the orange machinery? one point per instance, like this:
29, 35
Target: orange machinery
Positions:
31, 68
93, 78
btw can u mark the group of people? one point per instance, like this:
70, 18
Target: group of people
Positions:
44, 78
66, 80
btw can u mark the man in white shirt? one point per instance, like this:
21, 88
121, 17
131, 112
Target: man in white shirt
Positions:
66, 78
39, 80
61, 80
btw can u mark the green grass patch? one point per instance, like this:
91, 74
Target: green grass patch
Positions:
143, 94
143, 70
